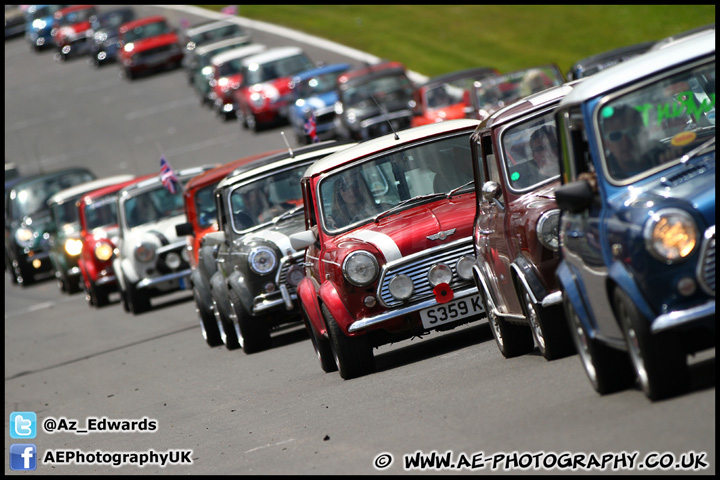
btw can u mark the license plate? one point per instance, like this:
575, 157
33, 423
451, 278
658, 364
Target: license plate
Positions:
454, 310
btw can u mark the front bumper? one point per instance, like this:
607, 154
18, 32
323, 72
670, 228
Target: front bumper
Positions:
394, 313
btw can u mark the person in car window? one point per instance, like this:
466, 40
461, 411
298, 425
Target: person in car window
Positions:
543, 143
352, 201
627, 148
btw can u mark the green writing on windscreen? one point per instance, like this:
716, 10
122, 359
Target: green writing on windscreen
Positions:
684, 105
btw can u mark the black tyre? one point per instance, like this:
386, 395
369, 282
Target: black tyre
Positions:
9, 269
23, 275
512, 340
208, 324
658, 359
550, 332
138, 301
225, 327
608, 369
253, 333
353, 355
97, 296
320, 344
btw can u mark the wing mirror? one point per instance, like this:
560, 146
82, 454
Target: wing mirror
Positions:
302, 240
574, 197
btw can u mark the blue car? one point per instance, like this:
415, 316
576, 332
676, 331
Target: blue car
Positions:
637, 228
39, 24
314, 94
103, 45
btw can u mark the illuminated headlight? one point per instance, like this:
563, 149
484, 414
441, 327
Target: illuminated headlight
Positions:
351, 117
257, 99
25, 237
401, 287
464, 267
172, 260
129, 47
360, 268
100, 37
206, 71
262, 260
39, 24
670, 235
294, 275
73, 246
145, 252
103, 251
547, 230
439, 273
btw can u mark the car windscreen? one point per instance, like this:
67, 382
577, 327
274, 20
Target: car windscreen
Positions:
30, 198
654, 125
261, 200
152, 206
101, 213
356, 194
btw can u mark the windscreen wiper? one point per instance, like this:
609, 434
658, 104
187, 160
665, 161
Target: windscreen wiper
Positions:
419, 198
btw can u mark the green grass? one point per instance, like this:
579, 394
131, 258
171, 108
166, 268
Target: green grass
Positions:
436, 39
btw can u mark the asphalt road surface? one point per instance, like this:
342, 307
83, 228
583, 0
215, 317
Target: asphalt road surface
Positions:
216, 411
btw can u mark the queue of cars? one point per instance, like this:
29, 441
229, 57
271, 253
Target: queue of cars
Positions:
574, 216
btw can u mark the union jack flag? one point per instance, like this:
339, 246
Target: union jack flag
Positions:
230, 10
310, 129
167, 175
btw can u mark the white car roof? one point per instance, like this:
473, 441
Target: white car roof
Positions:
155, 181
229, 180
647, 64
207, 27
205, 49
83, 188
410, 135
273, 54
239, 52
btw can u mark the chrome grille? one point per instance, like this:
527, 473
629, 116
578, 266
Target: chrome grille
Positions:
416, 267
706, 265
285, 264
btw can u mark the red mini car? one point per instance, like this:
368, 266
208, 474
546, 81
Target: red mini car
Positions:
98, 233
389, 243
447, 97
73, 32
264, 94
148, 44
517, 169
226, 77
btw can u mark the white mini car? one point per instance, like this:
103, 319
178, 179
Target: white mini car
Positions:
150, 259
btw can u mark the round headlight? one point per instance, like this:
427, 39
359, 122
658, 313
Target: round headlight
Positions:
670, 235
73, 246
294, 275
547, 230
464, 267
401, 287
25, 237
262, 260
360, 268
145, 252
172, 260
103, 251
439, 273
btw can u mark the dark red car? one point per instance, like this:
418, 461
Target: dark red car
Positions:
148, 44
98, 233
447, 97
72, 33
389, 243
517, 169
